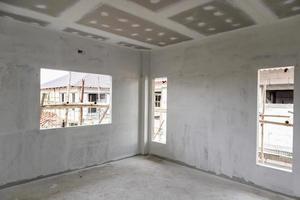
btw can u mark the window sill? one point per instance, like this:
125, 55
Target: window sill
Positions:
79, 126
157, 142
274, 167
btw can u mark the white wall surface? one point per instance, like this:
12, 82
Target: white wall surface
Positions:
212, 93
25, 151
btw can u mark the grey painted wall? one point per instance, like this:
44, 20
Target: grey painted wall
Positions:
212, 87
211, 102
25, 151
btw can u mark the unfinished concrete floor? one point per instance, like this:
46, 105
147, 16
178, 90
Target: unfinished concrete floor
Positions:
136, 178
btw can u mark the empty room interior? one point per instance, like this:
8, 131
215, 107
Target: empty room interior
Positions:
149, 99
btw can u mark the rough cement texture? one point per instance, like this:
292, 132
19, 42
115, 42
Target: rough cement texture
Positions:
137, 178
212, 95
26, 151
211, 108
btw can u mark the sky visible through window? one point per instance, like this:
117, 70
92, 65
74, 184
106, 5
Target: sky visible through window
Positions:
51, 74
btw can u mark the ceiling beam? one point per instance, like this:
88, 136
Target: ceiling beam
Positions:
79, 9
256, 10
154, 17
180, 7
66, 19
26, 12
260, 13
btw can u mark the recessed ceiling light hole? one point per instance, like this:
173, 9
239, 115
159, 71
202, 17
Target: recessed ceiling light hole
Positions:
122, 20
41, 6
208, 8
154, 1
104, 14
218, 13
105, 25
201, 24
93, 22
135, 25
190, 18
236, 25
295, 8
228, 20
288, 1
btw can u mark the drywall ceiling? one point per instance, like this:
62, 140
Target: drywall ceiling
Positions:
116, 21
214, 17
147, 24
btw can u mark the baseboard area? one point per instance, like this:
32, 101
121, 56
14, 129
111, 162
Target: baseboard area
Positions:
20, 182
235, 179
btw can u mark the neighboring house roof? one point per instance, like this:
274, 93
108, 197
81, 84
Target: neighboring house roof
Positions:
91, 80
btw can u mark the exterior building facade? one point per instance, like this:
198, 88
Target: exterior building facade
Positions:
83, 89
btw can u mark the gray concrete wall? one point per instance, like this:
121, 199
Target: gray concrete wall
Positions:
26, 151
212, 93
